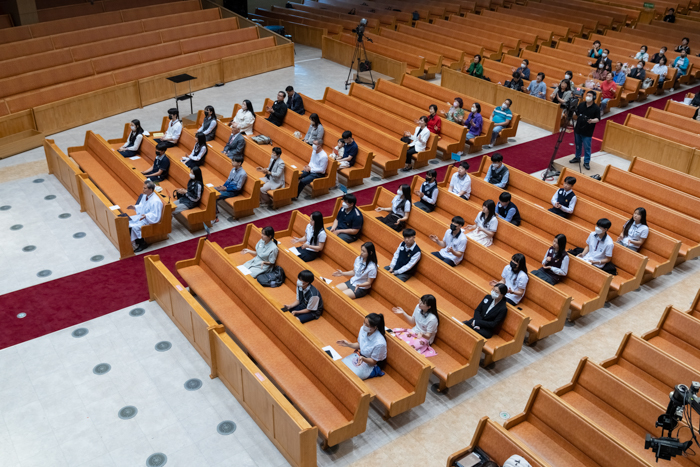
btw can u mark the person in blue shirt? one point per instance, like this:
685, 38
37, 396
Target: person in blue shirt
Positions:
498, 173
619, 76
537, 88
501, 118
681, 62
596, 51
233, 186
506, 210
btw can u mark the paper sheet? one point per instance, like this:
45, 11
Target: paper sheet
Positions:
457, 320
114, 208
210, 185
244, 270
293, 166
295, 251
336, 355
327, 281
157, 135
135, 158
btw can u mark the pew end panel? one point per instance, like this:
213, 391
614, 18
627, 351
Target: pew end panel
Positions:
64, 169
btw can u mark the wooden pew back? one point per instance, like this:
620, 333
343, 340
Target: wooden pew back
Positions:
665, 176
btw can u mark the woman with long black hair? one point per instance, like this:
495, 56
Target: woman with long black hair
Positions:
399, 210
515, 278
199, 152
636, 231
245, 117
425, 322
369, 356
209, 124
314, 238
189, 198
555, 265
133, 142
265, 252
315, 132
363, 273
485, 224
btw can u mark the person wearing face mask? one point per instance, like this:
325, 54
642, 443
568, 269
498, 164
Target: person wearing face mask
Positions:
635, 232
485, 224
587, 114
619, 76
474, 123
189, 198
161, 165
149, 210
399, 210
369, 356
516, 82
309, 303
456, 112
599, 248
233, 186
642, 54
417, 142
537, 88
199, 152
209, 124
507, 210
562, 93
555, 265
498, 173
658, 55
363, 273
670, 16
490, 312
461, 183
564, 199
266, 251
596, 51
315, 131
131, 146
174, 130
314, 238
453, 243
434, 122
278, 110
475, 68
316, 168
638, 71
524, 70
515, 278
236, 143
501, 118
662, 70
348, 223
684, 47
604, 59
600, 73
244, 119
608, 91
274, 177
403, 264
425, 322
681, 62
428, 192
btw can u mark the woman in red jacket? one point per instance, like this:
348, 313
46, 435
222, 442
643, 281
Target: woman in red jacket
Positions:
434, 122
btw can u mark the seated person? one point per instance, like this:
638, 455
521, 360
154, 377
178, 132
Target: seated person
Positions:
428, 192
265, 252
490, 312
564, 199
475, 67
501, 118
316, 132
485, 224
314, 238
604, 60
662, 70
638, 72
601, 72
273, 178
199, 152
507, 210
434, 122
461, 183
131, 146
498, 173
456, 112
599, 248
209, 124
658, 55
425, 325
555, 264
515, 278
309, 303
370, 349
363, 273
294, 101
670, 16
236, 143
417, 142
537, 88
523, 70
318, 163
244, 119
399, 210
278, 110
516, 82
596, 51
149, 210
562, 93
403, 264
642, 55
233, 186
636, 231
474, 122
161, 165
174, 130
681, 62
348, 223
684, 47
453, 243
513, 461
349, 151
619, 76
608, 90
189, 198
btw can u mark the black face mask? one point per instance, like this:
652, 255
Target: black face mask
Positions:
454, 227
514, 266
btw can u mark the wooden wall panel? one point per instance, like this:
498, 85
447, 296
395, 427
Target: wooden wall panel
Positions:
340, 52
259, 61
157, 88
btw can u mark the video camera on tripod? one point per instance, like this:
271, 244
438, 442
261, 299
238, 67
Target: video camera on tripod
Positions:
360, 54
683, 401
360, 30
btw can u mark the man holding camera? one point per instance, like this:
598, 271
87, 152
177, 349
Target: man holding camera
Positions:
587, 114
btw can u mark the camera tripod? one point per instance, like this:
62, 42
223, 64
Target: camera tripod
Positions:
358, 54
551, 171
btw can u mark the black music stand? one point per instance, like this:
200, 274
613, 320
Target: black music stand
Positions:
181, 79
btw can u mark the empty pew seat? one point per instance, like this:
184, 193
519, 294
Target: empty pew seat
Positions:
21, 65
87, 36
129, 59
195, 44
46, 95
665, 176
43, 78
236, 49
198, 29
165, 65
25, 48
677, 334
114, 45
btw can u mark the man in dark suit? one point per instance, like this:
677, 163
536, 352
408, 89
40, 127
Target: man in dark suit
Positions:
491, 312
294, 101
236, 143
278, 110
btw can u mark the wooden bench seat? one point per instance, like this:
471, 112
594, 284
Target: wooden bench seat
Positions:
327, 396
402, 17
407, 373
527, 40
415, 63
677, 334
509, 45
561, 435
545, 32
27, 64
25, 47
198, 29
386, 19
113, 45
665, 176
128, 59
672, 119
493, 49
19, 84
621, 16
597, 21
679, 108
220, 39
663, 130
348, 25
694, 309
452, 57
564, 27
332, 17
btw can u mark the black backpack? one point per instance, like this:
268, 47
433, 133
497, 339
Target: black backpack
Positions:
274, 278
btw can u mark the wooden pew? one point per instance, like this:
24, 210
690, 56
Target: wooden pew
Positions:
348, 22
386, 19
407, 373
561, 435
265, 403
493, 49
452, 56
401, 17
546, 32
527, 39
415, 64
593, 20
677, 334
586, 284
680, 108
621, 15
432, 63
665, 176
671, 119
324, 392
509, 45
497, 443
694, 309
565, 26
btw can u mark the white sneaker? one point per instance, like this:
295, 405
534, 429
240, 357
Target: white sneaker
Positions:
486, 146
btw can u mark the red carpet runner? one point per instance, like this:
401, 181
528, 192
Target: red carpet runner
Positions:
77, 298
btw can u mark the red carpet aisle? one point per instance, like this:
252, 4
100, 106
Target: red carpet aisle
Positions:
71, 300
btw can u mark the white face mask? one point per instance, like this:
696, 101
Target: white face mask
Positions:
473, 109
598, 230
567, 76
495, 294
642, 51
589, 98
504, 107
399, 192
455, 104
345, 205
366, 329
315, 148
192, 176
605, 55
133, 128
639, 66
661, 52
300, 284
523, 65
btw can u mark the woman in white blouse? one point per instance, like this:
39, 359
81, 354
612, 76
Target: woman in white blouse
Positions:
363, 273
514, 276
636, 231
555, 265
370, 352
133, 142
314, 238
245, 117
486, 224
662, 70
209, 124
399, 210
425, 325
199, 152
642, 54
